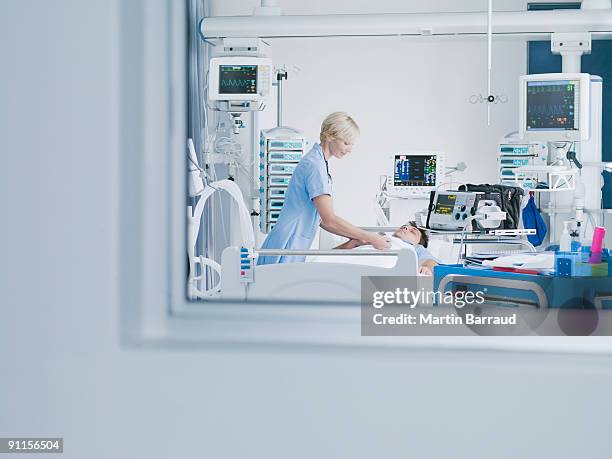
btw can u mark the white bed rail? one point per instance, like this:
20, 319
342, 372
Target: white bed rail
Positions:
331, 282
333, 252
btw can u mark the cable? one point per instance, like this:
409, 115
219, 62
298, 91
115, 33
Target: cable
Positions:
489, 59
592, 221
451, 183
468, 222
221, 212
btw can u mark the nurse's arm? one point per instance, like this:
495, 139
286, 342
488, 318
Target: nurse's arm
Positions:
337, 225
350, 244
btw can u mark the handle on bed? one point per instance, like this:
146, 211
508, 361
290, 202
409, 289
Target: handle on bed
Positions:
516, 284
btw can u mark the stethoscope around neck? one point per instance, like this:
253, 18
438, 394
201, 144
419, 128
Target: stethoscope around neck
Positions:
327, 169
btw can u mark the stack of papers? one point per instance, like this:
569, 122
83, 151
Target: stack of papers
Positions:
544, 261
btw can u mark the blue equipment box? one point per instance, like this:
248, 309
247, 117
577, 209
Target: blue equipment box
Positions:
501, 288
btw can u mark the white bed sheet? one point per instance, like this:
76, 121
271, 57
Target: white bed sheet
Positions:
383, 261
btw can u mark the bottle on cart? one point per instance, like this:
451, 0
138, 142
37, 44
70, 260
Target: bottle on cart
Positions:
565, 244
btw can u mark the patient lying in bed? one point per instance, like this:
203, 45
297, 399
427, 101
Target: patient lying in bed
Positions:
406, 234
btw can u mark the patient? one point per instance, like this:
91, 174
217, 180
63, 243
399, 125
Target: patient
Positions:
406, 234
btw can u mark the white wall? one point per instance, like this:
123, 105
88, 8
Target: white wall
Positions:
64, 373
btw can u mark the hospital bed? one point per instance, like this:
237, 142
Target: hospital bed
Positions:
336, 280
328, 275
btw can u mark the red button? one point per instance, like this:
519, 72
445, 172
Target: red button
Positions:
242, 273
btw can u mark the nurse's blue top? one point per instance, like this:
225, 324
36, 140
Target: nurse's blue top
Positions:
299, 218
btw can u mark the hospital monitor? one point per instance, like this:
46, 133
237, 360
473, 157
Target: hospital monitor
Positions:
239, 78
554, 107
416, 173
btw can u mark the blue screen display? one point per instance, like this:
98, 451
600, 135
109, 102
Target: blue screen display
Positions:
415, 170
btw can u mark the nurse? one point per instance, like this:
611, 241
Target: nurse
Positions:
308, 202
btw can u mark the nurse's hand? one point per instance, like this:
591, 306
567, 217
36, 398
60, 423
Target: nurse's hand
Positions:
380, 242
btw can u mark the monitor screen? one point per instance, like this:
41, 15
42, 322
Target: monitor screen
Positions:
445, 204
415, 170
237, 79
553, 105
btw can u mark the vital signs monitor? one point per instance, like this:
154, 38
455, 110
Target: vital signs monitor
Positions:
416, 173
555, 107
238, 78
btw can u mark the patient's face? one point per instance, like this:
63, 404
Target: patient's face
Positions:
408, 233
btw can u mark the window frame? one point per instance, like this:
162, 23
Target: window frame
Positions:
154, 311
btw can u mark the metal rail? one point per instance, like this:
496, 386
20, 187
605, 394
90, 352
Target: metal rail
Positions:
334, 252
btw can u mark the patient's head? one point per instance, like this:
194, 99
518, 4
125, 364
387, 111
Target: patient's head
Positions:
410, 233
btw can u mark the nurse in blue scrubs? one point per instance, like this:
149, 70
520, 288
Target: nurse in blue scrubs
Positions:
308, 202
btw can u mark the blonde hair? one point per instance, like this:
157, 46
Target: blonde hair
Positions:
339, 126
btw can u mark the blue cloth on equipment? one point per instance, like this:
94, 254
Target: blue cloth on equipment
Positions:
533, 220
299, 218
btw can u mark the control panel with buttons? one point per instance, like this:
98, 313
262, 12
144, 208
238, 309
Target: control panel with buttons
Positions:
247, 265
512, 156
